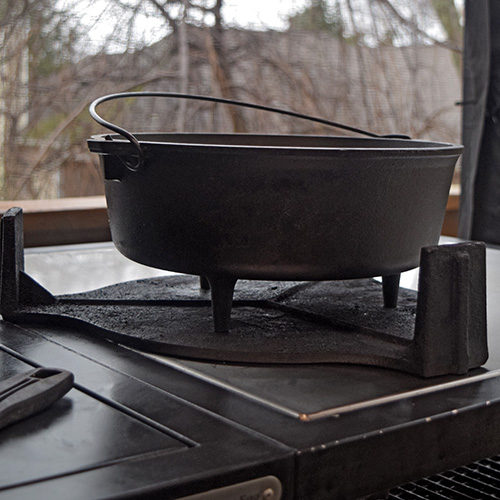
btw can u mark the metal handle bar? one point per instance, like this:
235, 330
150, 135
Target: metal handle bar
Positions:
137, 145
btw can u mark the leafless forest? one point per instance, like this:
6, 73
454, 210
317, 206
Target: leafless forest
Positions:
383, 65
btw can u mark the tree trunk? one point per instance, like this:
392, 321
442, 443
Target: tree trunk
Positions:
183, 67
220, 68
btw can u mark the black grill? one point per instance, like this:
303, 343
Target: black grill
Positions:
476, 481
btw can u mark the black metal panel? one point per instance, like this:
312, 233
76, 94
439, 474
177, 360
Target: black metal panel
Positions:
78, 433
114, 435
418, 435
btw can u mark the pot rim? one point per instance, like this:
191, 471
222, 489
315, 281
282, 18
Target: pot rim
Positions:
116, 144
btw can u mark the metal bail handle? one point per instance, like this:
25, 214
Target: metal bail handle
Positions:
129, 136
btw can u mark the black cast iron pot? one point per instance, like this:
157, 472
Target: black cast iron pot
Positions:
272, 207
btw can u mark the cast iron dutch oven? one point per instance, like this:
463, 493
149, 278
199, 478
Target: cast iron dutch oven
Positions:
272, 207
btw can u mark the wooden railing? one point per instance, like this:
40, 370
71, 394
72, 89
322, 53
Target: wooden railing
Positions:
63, 221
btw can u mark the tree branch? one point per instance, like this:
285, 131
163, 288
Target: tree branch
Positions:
411, 25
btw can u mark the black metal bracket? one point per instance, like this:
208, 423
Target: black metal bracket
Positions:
449, 334
17, 288
450, 326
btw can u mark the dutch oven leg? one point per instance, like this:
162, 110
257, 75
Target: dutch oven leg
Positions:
222, 300
204, 284
390, 289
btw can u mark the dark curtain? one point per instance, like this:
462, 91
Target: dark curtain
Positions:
480, 199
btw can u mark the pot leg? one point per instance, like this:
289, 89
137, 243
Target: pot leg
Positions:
222, 300
204, 284
390, 289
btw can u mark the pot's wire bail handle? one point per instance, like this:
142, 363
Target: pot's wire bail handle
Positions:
130, 137
116, 128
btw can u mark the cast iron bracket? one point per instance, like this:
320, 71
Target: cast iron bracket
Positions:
449, 330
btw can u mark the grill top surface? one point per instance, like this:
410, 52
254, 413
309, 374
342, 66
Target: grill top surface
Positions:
304, 391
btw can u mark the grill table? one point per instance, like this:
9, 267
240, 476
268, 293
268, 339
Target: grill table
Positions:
137, 425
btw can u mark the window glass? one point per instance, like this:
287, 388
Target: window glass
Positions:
389, 66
